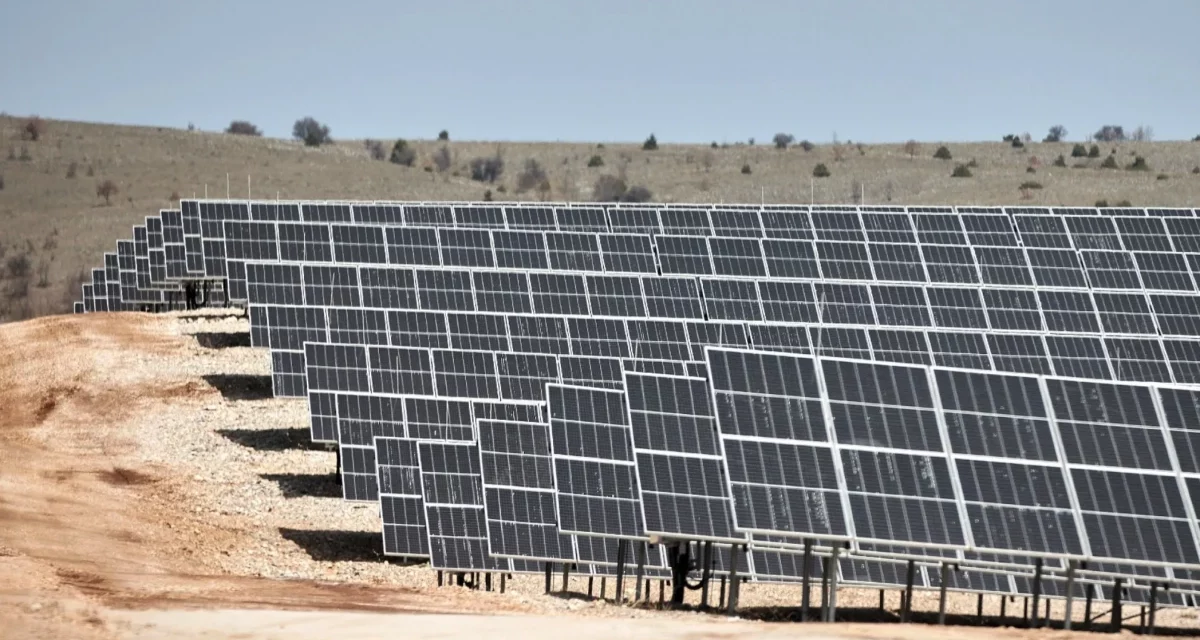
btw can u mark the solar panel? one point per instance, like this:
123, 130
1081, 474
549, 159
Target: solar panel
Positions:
452, 491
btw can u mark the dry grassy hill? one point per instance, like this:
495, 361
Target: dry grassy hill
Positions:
51, 216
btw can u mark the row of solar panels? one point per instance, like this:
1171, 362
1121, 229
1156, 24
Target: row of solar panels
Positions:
1006, 430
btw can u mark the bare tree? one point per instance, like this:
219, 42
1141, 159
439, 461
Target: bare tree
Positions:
1110, 133
912, 149
107, 189
1056, 134
1142, 134
442, 159
533, 175
33, 129
707, 160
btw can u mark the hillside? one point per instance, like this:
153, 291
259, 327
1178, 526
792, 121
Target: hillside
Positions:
61, 227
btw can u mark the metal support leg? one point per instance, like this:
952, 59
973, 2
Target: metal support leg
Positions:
619, 597
721, 595
1003, 608
641, 572
439, 578
503, 581
705, 573
662, 589
1088, 591
833, 586
1037, 589
942, 594
979, 609
1118, 586
487, 581
549, 570
735, 553
906, 611
806, 582
603, 586
591, 582
881, 607
1070, 594
1153, 607
566, 588
824, 588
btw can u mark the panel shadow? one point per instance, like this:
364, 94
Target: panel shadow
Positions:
337, 546
306, 485
223, 340
241, 386
281, 439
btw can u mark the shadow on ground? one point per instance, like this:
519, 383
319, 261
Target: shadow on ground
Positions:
281, 439
324, 545
241, 386
306, 485
223, 340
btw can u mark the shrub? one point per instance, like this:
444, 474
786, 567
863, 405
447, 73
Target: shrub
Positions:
33, 129
1017, 144
1057, 133
72, 170
782, 140
1109, 163
1196, 139
311, 132
821, 171
444, 135
608, 189
375, 149
637, 193
1102, 204
746, 169
501, 189
1110, 133
912, 149
1094, 151
1161, 176
242, 128
531, 176
961, 171
1195, 170
942, 153
402, 154
651, 144
595, 161
807, 146
107, 189
1030, 184
751, 141
544, 189
487, 195
442, 159
1030, 169
1078, 151
487, 169
1010, 137
1124, 203
91, 172
1060, 161
1138, 164
18, 266
714, 145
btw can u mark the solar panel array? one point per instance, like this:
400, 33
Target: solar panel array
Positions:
517, 384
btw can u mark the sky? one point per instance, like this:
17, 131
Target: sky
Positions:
612, 70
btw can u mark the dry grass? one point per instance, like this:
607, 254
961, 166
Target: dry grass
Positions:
150, 164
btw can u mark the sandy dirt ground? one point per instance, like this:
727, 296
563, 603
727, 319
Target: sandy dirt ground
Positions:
150, 487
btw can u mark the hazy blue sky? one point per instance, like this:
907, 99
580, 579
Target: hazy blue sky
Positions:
608, 70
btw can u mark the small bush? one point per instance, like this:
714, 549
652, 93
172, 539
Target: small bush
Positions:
714, 145
942, 153
608, 189
1078, 151
444, 135
402, 154
487, 169
72, 170
487, 195
174, 197
595, 161
782, 140
33, 129
1196, 139
751, 141
912, 148
1109, 163
91, 172
531, 176
242, 128
107, 190
1017, 144
1138, 164
501, 189
1162, 176
1056, 134
1031, 185
1094, 151
1195, 170
821, 171
961, 171
1060, 161
375, 149
1010, 137
746, 169
442, 159
651, 144
18, 266
1102, 204
25, 157
1124, 203
807, 146
637, 193
1030, 169
1110, 133
311, 132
